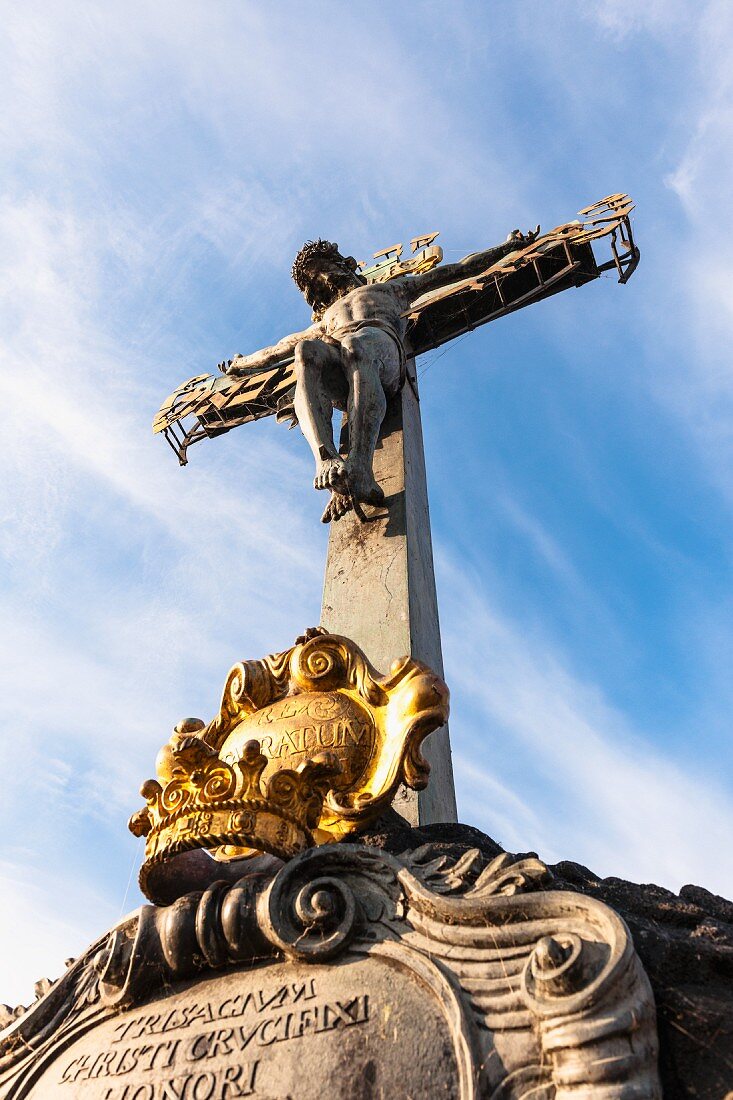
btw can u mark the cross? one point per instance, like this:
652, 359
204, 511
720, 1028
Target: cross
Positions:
369, 323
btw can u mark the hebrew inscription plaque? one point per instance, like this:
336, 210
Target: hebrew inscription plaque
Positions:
295, 729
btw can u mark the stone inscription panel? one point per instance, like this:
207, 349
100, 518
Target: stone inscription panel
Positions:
360, 1028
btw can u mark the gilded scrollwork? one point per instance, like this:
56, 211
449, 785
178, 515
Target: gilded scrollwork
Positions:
317, 662
308, 746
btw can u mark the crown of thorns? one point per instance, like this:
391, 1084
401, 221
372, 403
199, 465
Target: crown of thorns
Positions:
310, 251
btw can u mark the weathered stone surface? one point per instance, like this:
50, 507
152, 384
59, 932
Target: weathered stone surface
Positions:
354, 972
281, 1030
379, 587
685, 942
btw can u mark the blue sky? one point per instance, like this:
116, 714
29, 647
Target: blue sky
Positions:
162, 164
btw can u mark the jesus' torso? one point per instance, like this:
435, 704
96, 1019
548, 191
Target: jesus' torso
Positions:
379, 303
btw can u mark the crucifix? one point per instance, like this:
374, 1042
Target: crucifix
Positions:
369, 322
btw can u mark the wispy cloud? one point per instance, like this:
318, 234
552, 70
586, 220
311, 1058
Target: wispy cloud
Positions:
623, 18
547, 763
55, 916
133, 587
167, 162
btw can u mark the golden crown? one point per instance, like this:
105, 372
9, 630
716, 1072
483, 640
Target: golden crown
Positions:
208, 803
309, 745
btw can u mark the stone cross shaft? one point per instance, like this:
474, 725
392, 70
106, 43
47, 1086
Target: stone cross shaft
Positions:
379, 587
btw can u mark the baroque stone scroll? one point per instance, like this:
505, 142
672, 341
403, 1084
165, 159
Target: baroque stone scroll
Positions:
348, 971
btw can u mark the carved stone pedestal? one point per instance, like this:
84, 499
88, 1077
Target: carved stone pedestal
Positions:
350, 972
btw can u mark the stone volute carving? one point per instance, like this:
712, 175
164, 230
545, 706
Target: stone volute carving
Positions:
433, 977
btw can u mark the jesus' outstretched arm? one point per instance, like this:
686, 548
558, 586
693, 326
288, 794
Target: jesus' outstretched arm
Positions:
469, 265
267, 357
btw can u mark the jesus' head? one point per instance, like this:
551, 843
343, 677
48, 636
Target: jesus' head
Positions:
324, 275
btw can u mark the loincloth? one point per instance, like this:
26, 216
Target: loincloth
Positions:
285, 407
352, 327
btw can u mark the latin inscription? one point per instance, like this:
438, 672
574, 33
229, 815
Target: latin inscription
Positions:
305, 725
257, 1000
357, 1025
225, 1084
167, 1055
324, 735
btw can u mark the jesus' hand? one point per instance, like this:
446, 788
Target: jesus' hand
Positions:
517, 239
238, 365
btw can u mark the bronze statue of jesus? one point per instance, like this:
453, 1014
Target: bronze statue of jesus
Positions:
352, 357
368, 321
